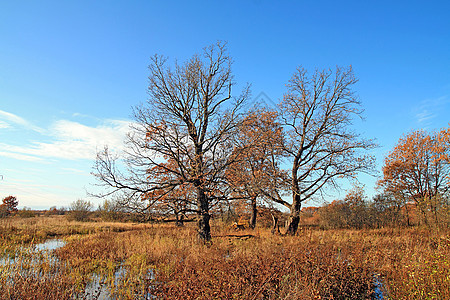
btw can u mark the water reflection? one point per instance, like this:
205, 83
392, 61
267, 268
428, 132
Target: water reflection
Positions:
50, 245
33, 260
378, 289
32, 254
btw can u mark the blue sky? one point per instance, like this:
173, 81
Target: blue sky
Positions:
70, 72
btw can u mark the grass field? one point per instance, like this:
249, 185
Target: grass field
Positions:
144, 261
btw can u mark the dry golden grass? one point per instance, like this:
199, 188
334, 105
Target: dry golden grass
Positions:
170, 263
25, 230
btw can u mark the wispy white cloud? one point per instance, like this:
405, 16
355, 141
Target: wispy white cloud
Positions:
424, 116
19, 156
7, 117
429, 109
73, 170
4, 125
77, 141
68, 140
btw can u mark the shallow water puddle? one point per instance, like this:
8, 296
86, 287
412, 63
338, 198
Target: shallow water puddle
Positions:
27, 251
378, 290
50, 245
98, 288
28, 260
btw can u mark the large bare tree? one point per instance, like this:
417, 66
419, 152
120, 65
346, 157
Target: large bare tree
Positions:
182, 136
316, 113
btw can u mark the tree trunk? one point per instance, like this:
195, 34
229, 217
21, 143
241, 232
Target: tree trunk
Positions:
253, 213
204, 230
275, 229
179, 220
425, 217
408, 221
294, 217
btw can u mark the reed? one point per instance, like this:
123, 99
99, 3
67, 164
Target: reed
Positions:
169, 262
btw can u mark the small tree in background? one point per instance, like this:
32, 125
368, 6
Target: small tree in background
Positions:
354, 211
417, 171
80, 210
9, 206
113, 210
26, 212
335, 215
255, 172
388, 210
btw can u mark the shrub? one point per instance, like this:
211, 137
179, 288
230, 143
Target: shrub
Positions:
26, 212
3, 211
111, 211
80, 210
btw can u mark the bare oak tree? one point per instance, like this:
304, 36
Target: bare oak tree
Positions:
316, 113
182, 136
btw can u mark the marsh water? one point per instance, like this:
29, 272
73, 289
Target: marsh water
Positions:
50, 245
25, 258
98, 286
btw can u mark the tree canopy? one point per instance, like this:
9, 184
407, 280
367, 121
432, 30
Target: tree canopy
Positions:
182, 138
316, 113
418, 170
